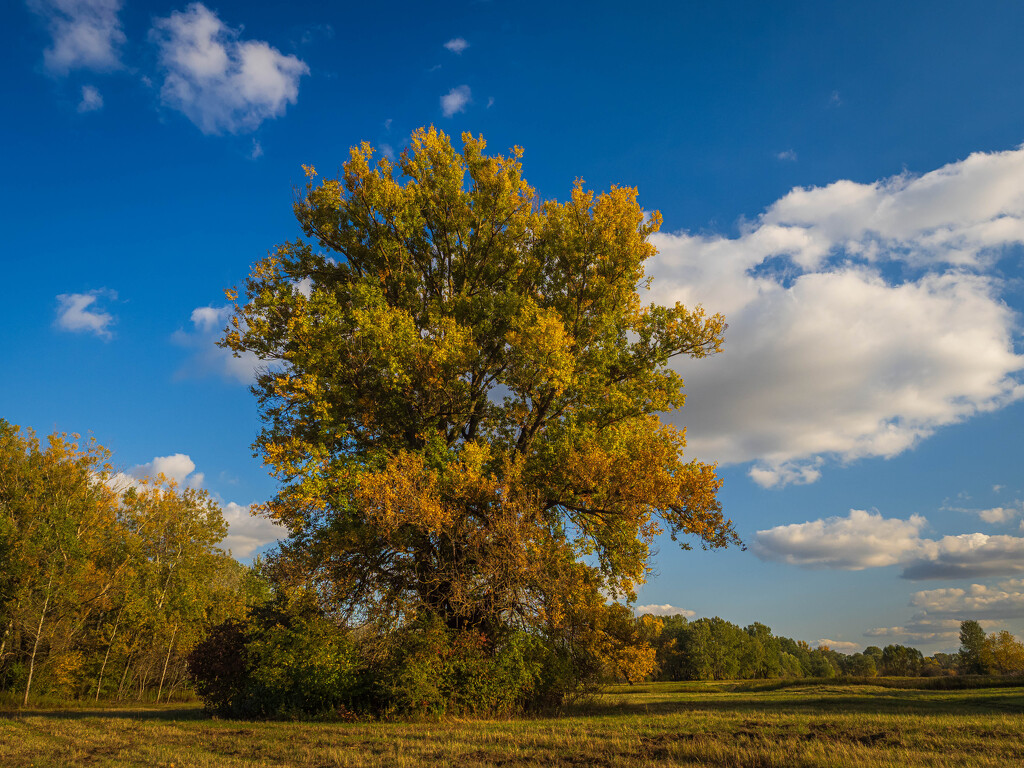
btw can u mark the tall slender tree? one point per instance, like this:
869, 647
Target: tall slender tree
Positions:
972, 657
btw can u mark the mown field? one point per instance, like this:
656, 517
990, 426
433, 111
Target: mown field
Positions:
707, 724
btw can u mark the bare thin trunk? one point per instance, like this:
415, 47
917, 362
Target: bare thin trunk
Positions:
127, 666
99, 682
35, 645
143, 679
166, 662
7, 633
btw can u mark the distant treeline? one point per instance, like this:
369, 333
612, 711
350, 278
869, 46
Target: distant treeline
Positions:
715, 649
104, 590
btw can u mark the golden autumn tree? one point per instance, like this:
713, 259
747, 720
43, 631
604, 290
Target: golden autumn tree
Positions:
462, 393
104, 589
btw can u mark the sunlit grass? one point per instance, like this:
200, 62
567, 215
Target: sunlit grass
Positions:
652, 725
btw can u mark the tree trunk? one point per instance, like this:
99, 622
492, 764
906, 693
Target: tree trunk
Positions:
170, 647
127, 666
7, 633
99, 682
35, 645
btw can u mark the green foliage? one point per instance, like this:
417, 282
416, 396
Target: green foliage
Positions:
714, 649
103, 590
284, 660
431, 669
287, 660
901, 661
973, 659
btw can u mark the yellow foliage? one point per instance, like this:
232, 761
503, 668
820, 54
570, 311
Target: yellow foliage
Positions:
466, 404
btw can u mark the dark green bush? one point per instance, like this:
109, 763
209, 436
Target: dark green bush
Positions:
430, 669
287, 661
283, 661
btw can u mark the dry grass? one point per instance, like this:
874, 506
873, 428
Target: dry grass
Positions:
654, 725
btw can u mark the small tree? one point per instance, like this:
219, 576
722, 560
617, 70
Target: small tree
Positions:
972, 649
1005, 652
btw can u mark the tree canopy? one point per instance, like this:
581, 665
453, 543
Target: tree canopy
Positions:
461, 394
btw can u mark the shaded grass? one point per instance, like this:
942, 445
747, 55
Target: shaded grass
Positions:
724, 724
943, 683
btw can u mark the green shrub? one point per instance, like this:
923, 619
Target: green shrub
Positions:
290, 661
282, 661
430, 669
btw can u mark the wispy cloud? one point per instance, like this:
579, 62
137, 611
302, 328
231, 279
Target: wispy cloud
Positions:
993, 515
86, 34
867, 540
455, 100
207, 326
843, 646
663, 610
457, 45
80, 313
787, 154
91, 101
221, 83
919, 630
862, 318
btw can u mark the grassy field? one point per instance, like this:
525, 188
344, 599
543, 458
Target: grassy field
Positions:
650, 725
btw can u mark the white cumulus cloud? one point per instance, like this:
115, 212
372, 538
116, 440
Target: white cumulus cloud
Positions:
86, 34
178, 467
862, 317
247, 532
220, 82
867, 540
968, 555
663, 610
1005, 600
80, 313
998, 514
455, 100
457, 45
860, 540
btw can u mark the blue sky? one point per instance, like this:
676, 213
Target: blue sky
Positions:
843, 181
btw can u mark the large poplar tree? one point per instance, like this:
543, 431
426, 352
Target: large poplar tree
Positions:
461, 394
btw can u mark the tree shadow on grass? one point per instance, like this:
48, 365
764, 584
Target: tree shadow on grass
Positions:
141, 713
882, 703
